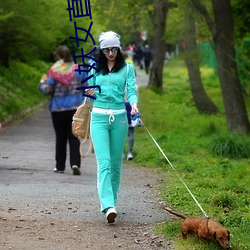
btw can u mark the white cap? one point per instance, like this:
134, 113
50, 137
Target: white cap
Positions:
109, 39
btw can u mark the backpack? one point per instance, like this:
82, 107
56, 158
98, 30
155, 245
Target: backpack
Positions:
81, 126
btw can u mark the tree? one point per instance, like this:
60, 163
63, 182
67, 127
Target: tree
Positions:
133, 17
201, 99
28, 33
159, 44
223, 38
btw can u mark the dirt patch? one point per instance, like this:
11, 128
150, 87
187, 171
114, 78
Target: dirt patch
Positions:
51, 234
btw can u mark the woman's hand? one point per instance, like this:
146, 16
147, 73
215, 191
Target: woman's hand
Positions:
43, 79
90, 91
134, 109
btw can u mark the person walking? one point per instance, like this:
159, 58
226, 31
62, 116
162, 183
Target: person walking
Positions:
130, 133
147, 54
61, 84
109, 125
128, 109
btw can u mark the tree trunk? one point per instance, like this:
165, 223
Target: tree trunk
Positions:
223, 38
159, 47
201, 99
235, 109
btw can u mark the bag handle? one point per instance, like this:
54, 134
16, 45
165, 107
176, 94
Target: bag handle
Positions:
91, 148
85, 139
85, 100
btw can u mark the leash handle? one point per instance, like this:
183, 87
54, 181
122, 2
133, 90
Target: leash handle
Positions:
174, 169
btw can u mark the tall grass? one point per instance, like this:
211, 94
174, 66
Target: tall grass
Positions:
19, 87
214, 164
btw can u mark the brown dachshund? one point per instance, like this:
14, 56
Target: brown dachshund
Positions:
204, 229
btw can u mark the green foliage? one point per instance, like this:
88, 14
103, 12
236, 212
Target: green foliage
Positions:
219, 183
224, 200
28, 33
243, 60
241, 17
175, 28
231, 146
175, 25
134, 17
19, 87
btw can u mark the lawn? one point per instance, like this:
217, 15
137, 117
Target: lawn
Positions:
214, 164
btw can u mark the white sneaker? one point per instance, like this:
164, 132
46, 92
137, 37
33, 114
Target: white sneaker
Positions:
130, 156
58, 171
111, 214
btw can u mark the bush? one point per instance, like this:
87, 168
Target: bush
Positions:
231, 146
19, 88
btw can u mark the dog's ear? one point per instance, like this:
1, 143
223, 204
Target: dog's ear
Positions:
214, 235
228, 237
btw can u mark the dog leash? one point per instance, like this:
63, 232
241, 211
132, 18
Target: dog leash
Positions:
174, 169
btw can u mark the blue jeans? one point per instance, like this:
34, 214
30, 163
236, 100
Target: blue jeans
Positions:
108, 139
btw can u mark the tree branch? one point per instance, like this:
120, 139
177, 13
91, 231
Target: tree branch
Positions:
202, 9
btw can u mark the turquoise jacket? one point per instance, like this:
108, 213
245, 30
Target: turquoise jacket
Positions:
113, 86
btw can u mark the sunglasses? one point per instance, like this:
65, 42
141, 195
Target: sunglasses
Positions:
107, 51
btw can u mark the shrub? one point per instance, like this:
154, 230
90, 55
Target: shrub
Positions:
231, 146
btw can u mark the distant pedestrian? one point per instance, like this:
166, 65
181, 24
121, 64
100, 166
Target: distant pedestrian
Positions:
128, 109
147, 54
109, 123
139, 56
131, 130
61, 85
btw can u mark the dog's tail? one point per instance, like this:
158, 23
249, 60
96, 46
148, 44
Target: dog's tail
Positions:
175, 213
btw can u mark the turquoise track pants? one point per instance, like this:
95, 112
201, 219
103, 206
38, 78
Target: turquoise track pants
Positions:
108, 136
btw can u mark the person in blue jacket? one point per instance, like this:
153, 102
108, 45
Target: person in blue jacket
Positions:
61, 84
109, 124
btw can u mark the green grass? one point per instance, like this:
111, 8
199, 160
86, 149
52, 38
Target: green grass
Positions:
214, 164
19, 87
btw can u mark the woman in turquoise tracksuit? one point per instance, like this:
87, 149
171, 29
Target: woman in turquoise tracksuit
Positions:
109, 123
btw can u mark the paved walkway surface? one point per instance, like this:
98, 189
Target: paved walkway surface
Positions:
141, 78
30, 191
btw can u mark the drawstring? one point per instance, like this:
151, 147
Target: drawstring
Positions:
110, 112
111, 117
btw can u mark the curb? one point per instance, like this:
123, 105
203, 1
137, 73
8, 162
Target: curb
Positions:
22, 114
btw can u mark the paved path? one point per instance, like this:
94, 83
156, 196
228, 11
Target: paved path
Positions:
27, 160
141, 78
26, 163
31, 191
